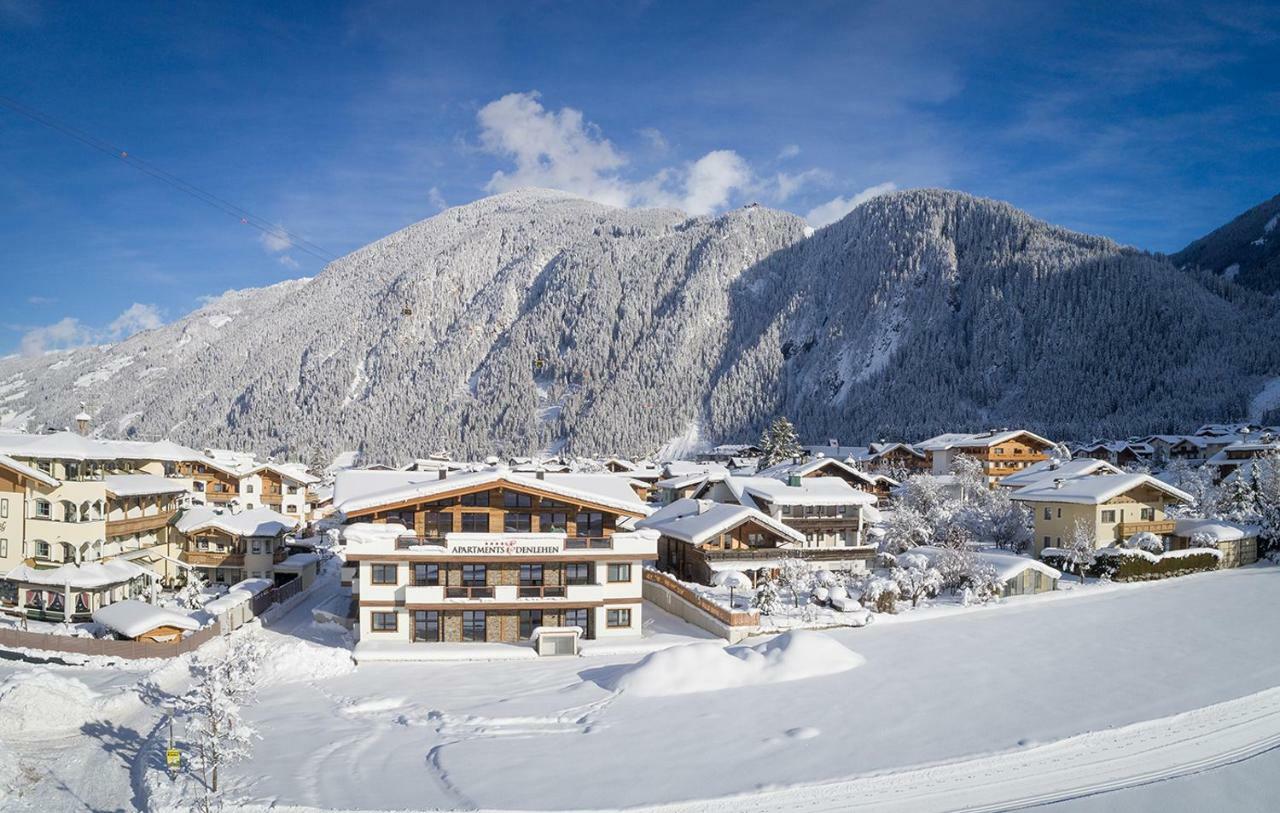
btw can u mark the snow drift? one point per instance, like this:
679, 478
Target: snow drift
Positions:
794, 655
41, 703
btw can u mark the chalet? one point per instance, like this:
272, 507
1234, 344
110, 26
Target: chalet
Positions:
1046, 471
1001, 453
1118, 452
1018, 575
1230, 458
493, 555
227, 547
902, 458
698, 538
237, 482
876, 484
1113, 507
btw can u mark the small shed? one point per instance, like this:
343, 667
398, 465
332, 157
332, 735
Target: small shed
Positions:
140, 621
556, 640
1238, 543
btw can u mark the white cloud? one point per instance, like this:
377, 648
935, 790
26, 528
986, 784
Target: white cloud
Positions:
288, 262
69, 332
552, 149
786, 184
60, 335
275, 241
838, 207
789, 151
135, 318
562, 150
436, 199
40, 300
657, 141
712, 178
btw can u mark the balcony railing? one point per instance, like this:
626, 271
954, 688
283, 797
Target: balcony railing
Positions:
202, 558
408, 541
588, 543
540, 591
468, 592
765, 554
1164, 526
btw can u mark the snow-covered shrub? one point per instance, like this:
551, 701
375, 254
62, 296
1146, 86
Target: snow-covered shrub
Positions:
1203, 539
796, 575
1147, 541
1129, 564
880, 594
983, 584
916, 578
905, 528
766, 598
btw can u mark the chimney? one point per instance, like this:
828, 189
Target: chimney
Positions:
541, 474
1057, 482
444, 473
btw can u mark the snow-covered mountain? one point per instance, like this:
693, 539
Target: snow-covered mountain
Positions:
1246, 250
532, 321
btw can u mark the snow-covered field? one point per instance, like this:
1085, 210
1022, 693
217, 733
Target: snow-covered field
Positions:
1036, 699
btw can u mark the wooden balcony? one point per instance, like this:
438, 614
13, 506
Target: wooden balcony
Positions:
1128, 529
202, 558
137, 525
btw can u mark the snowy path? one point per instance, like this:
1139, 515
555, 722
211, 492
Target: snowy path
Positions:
1089, 764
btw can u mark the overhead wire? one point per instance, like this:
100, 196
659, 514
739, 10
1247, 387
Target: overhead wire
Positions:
243, 215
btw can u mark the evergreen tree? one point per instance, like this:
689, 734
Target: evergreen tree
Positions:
779, 442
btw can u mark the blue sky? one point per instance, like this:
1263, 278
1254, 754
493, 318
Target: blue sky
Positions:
1149, 123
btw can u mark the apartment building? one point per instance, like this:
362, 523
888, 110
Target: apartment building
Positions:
698, 538
492, 555
1113, 507
237, 481
1001, 452
226, 547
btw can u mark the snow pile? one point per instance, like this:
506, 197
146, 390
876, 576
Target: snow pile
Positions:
291, 661
371, 535
40, 703
793, 655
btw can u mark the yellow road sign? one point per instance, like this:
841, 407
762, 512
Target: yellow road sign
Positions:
173, 758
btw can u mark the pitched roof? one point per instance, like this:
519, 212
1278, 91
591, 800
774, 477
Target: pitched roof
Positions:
132, 618
356, 490
697, 521
782, 471
28, 471
257, 522
965, 440
1094, 489
136, 485
811, 491
1047, 470
87, 575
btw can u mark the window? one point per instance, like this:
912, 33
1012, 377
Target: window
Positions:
478, 500
530, 575
255, 547
248, 488
4, 548
43, 509
590, 523
577, 573
1148, 514
473, 625
425, 573
514, 499
620, 572
1046, 542
426, 625
474, 575
517, 523
438, 523
1059, 513
577, 618
473, 523
42, 549
383, 622
553, 522
529, 621
1048, 513
405, 518
4, 509
1109, 516
293, 489
383, 574
618, 618
248, 506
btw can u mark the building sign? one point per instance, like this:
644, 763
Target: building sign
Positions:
506, 547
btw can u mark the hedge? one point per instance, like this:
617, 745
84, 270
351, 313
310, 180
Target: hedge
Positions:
1131, 565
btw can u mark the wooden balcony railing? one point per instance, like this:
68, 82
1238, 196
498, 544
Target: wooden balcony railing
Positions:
203, 558
588, 543
136, 525
1163, 526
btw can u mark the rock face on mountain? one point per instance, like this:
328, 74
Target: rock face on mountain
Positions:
534, 321
1246, 250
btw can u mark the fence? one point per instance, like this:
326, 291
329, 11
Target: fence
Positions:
676, 598
20, 639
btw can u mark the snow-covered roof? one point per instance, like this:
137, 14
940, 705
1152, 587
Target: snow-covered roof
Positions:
1094, 489
965, 440
297, 561
237, 594
28, 471
697, 521
1220, 529
85, 576
692, 479
257, 522
72, 446
356, 490
1047, 470
881, 449
132, 618
1007, 565
137, 485
782, 471
811, 491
